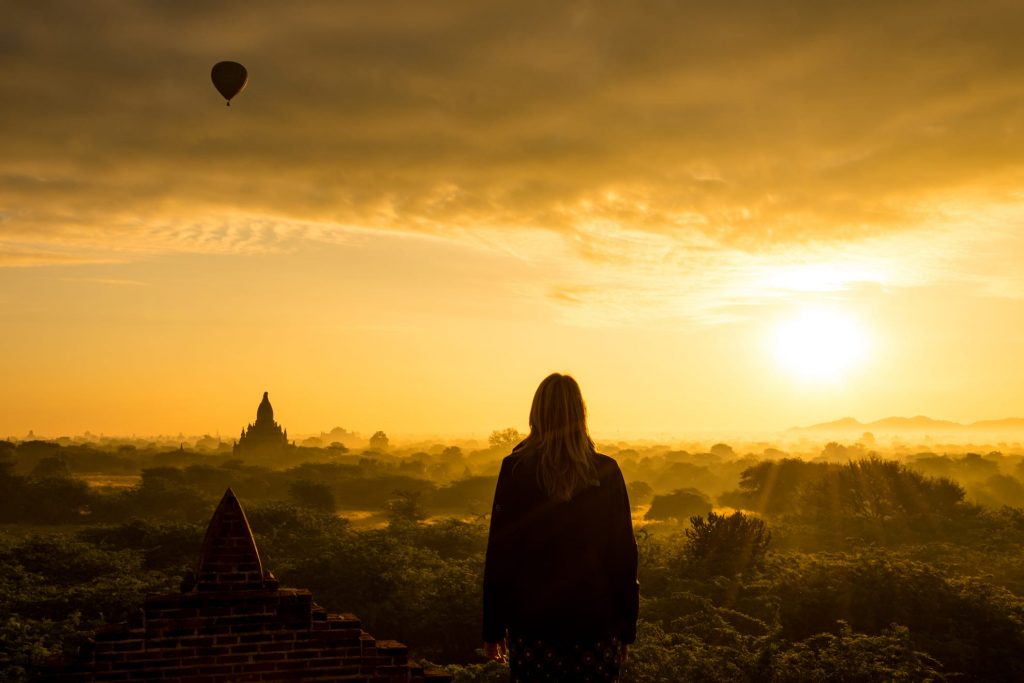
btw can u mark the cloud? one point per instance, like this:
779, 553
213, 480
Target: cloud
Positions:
113, 282
631, 278
673, 137
13, 258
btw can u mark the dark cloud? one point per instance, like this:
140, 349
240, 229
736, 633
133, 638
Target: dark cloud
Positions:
749, 123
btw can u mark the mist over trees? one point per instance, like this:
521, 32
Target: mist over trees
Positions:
680, 505
757, 564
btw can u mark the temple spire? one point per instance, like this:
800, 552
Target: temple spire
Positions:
265, 412
229, 559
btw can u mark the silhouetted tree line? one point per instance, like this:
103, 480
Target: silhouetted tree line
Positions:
50, 493
826, 505
864, 570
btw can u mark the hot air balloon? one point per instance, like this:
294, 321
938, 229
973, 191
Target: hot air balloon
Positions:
229, 78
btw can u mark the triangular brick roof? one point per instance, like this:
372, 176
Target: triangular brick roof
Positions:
229, 559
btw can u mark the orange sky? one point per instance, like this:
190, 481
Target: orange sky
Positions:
417, 210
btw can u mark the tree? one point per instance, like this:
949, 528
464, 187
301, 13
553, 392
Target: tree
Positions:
406, 507
54, 500
639, 492
314, 495
837, 452
680, 504
773, 486
846, 656
999, 489
451, 454
504, 439
880, 491
971, 626
12, 490
51, 467
723, 450
470, 494
379, 441
727, 545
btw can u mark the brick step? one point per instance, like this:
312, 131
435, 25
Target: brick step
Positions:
436, 676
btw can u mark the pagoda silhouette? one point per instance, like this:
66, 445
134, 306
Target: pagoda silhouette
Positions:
264, 438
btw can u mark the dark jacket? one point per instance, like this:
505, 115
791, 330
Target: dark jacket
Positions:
560, 570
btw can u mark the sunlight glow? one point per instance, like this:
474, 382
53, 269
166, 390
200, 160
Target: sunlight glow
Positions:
821, 277
820, 344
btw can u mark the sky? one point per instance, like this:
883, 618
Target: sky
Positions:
719, 217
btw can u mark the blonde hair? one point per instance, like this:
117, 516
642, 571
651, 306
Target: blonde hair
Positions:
559, 438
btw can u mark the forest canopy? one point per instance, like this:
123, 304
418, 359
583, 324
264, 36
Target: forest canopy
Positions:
754, 566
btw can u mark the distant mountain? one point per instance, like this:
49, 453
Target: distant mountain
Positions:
841, 425
1007, 423
919, 424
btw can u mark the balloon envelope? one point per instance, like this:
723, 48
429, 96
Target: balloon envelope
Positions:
229, 78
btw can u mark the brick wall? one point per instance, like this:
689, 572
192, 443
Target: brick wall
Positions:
232, 622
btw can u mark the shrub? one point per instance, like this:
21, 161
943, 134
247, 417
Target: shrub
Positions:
727, 545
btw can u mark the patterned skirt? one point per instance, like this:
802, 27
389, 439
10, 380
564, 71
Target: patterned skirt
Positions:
592, 661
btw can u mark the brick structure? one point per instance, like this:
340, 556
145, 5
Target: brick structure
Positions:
232, 622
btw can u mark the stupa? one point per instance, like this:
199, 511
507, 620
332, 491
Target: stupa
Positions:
265, 437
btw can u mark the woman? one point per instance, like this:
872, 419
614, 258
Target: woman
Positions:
560, 588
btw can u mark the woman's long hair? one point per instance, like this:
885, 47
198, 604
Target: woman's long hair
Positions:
559, 438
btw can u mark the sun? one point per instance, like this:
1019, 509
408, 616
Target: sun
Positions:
820, 344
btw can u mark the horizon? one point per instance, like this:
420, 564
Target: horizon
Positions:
718, 220
954, 434
481, 433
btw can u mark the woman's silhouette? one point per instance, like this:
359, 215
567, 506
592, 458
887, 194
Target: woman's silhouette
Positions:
560, 588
